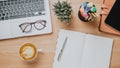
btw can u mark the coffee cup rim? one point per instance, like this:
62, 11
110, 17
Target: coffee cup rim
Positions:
28, 44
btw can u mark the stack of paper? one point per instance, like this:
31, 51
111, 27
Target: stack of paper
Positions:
82, 50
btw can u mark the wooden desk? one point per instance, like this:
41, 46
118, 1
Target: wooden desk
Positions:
9, 56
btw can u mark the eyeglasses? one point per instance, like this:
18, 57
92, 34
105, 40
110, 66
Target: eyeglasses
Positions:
27, 26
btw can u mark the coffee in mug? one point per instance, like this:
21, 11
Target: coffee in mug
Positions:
28, 52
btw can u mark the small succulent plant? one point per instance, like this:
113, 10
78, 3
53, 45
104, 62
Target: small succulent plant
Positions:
63, 10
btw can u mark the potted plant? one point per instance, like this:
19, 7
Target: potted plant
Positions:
63, 10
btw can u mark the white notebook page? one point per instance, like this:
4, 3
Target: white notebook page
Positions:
83, 51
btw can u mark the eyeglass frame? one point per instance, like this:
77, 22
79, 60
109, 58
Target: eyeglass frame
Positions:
33, 23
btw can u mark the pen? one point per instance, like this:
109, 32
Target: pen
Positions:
62, 49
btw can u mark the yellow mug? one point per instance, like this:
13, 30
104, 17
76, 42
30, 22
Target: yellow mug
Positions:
29, 53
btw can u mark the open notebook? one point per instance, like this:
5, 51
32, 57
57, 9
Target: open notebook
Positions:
82, 50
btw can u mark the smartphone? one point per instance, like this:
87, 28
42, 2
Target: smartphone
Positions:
113, 18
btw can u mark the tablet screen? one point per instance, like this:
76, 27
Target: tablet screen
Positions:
113, 18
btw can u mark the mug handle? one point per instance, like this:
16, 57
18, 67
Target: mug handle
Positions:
39, 50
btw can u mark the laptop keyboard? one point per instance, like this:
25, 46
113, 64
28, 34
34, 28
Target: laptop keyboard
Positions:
13, 9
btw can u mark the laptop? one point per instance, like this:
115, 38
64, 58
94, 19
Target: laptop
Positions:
20, 18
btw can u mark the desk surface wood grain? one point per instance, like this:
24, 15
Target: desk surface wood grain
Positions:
9, 49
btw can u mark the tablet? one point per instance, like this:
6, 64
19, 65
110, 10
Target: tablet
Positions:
113, 18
